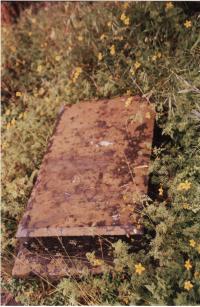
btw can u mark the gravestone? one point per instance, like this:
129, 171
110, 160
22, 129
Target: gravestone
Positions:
91, 179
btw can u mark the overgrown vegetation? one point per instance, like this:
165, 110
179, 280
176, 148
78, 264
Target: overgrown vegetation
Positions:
72, 52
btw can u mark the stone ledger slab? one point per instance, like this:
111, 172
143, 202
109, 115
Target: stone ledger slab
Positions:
96, 162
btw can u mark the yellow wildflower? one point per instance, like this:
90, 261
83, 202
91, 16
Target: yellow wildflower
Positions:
128, 102
184, 186
159, 55
7, 112
39, 68
132, 71
160, 190
18, 94
100, 56
125, 5
126, 300
93, 260
188, 24
188, 285
196, 274
127, 21
198, 248
139, 268
137, 65
169, 5
57, 58
109, 24
186, 206
154, 58
192, 243
188, 264
77, 73
112, 50
123, 17
102, 37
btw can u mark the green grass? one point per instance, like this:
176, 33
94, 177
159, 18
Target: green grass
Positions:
156, 56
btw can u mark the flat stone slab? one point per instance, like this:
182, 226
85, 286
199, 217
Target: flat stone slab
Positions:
96, 163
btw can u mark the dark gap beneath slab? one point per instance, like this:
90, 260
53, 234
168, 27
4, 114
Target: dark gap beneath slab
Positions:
55, 257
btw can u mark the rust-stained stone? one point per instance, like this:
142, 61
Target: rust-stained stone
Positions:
97, 158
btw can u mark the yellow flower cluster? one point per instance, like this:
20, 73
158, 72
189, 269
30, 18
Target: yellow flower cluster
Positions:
160, 190
156, 56
186, 206
139, 268
112, 50
188, 285
137, 65
184, 186
125, 19
120, 38
57, 58
169, 5
188, 24
93, 260
18, 94
80, 38
76, 74
100, 56
102, 37
125, 5
188, 265
192, 243
39, 68
11, 124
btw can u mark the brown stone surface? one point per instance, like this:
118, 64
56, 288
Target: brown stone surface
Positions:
96, 163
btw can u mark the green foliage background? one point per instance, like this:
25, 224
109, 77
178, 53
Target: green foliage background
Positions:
40, 55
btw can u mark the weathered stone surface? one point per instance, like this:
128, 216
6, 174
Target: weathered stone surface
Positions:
97, 160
